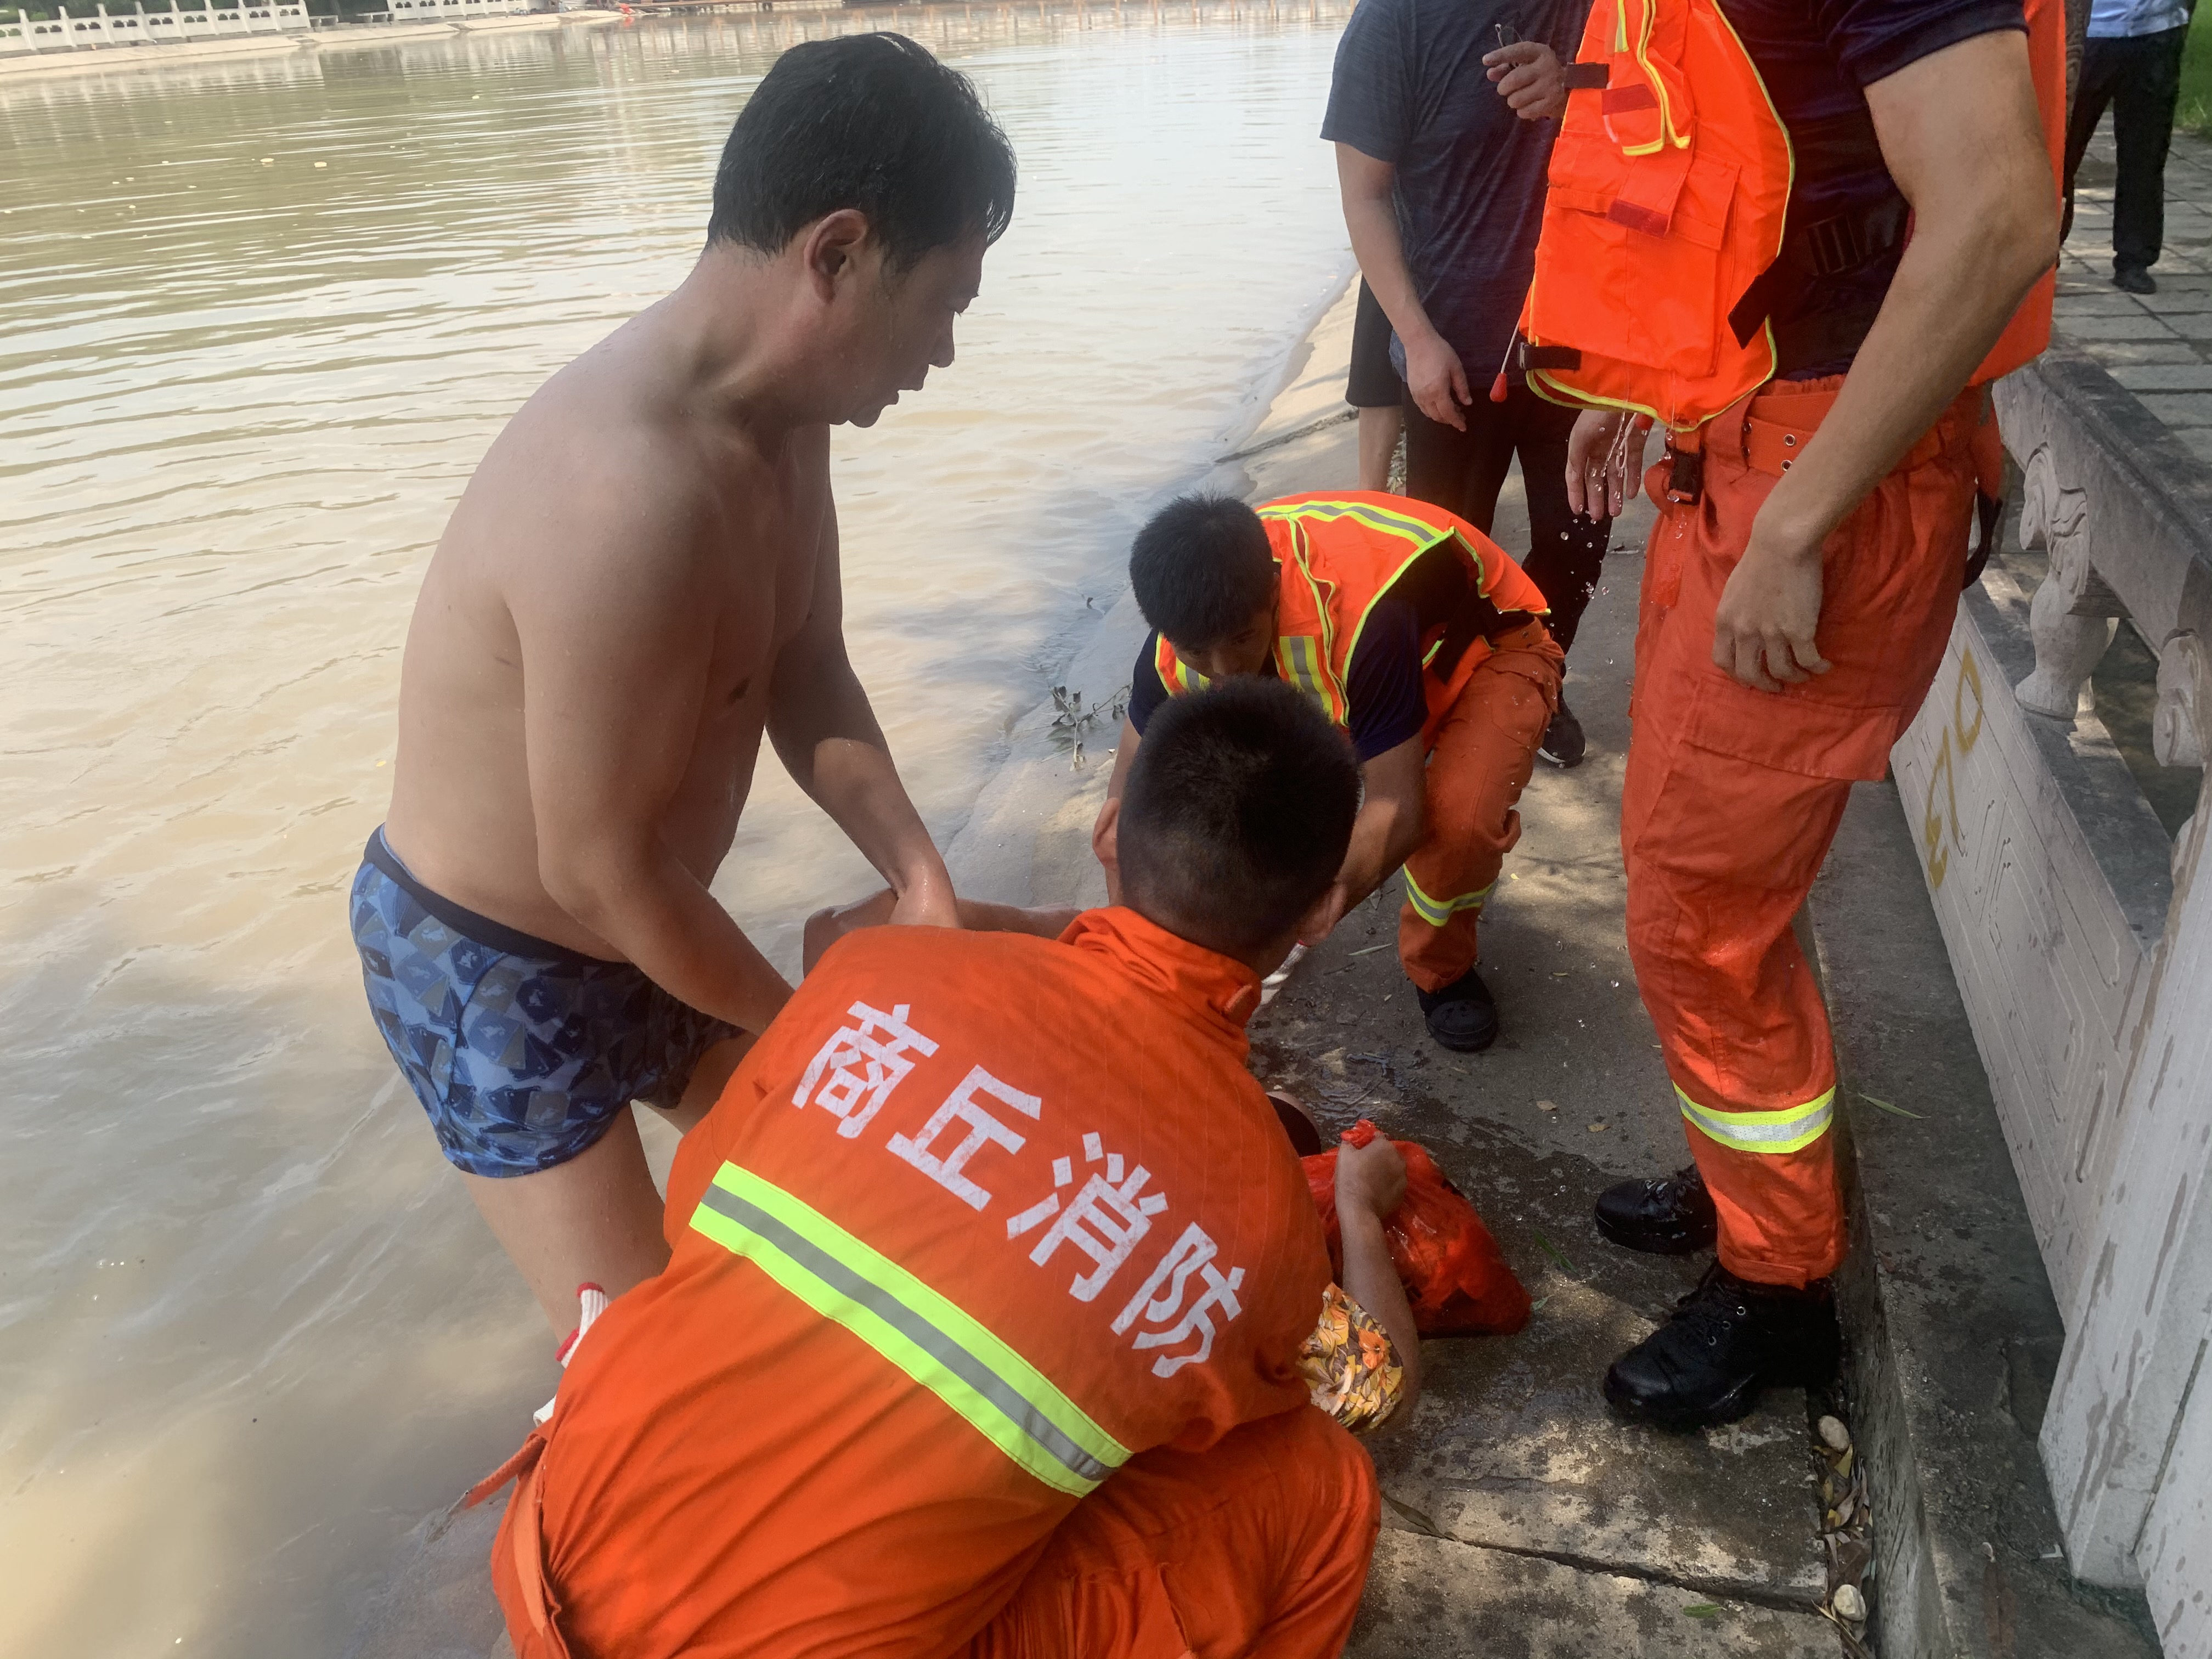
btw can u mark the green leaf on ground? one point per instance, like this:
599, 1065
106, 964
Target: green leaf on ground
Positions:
1894, 1111
1702, 1610
1537, 1306
1555, 1252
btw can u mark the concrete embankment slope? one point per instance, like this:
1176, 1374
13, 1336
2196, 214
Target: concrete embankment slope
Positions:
107, 60
1028, 839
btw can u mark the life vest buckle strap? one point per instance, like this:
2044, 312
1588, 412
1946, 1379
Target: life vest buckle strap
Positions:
1826, 247
1527, 356
1844, 241
1686, 478
1828, 337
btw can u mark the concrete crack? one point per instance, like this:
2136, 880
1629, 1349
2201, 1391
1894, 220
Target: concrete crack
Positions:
1720, 1589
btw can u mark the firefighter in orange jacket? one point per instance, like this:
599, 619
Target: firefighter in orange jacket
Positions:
1415, 633
999, 1312
1802, 238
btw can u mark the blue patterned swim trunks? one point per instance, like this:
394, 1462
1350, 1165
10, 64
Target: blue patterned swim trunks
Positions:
521, 1050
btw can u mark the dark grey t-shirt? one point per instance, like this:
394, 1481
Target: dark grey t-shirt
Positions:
1410, 90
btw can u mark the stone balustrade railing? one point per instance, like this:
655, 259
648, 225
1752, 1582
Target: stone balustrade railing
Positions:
420, 11
2081, 933
140, 26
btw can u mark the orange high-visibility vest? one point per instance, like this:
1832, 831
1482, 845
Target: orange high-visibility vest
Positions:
1341, 551
1669, 190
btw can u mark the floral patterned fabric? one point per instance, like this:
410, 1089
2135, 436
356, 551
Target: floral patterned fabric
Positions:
1351, 1369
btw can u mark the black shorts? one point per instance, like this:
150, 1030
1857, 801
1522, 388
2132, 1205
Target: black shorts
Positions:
1373, 382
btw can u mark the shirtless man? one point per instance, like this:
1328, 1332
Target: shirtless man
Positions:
641, 578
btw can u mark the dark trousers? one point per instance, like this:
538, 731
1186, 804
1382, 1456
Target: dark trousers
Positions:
2140, 78
1463, 471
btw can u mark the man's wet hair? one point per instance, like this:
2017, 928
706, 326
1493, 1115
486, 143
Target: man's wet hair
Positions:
872, 122
1202, 569
1236, 814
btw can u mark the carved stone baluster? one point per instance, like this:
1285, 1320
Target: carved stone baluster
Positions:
2184, 680
2071, 617
2178, 725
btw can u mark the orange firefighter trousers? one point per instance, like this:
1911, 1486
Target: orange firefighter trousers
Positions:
1482, 746
1258, 1546
1733, 796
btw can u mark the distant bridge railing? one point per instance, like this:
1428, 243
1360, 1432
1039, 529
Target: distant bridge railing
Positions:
139, 27
417, 11
2080, 931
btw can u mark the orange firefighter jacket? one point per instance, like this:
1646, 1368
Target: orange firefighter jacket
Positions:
1669, 187
1339, 553
980, 1217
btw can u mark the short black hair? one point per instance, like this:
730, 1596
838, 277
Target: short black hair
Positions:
872, 122
1202, 569
1236, 813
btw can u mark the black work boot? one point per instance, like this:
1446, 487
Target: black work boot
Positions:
2134, 279
1672, 1217
1563, 744
1727, 1340
1462, 1016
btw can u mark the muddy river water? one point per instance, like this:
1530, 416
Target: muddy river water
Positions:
258, 321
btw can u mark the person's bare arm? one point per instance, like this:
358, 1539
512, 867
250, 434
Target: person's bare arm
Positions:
616, 656
827, 737
1125, 754
826, 926
1961, 135
1386, 831
1370, 1182
1434, 374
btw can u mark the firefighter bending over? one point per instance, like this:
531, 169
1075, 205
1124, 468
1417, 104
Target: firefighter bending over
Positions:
1411, 630
999, 1321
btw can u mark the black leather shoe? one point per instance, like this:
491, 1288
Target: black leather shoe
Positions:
1672, 1217
1462, 1016
1563, 743
1727, 1340
2134, 279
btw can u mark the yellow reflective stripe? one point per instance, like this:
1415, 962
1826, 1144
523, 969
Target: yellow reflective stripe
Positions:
1384, 519
1789, 1130
1420, 531
1305, 668
1176, 676
1015, 1405
1553, 390
1437, 912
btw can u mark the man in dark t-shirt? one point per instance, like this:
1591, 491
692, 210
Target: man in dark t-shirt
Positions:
1442, 178
1799, 592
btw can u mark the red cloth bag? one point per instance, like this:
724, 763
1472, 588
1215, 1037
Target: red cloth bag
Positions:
1455, 1278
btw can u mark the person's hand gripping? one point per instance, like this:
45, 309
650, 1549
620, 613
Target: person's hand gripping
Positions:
1369, 1179
1529, 79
